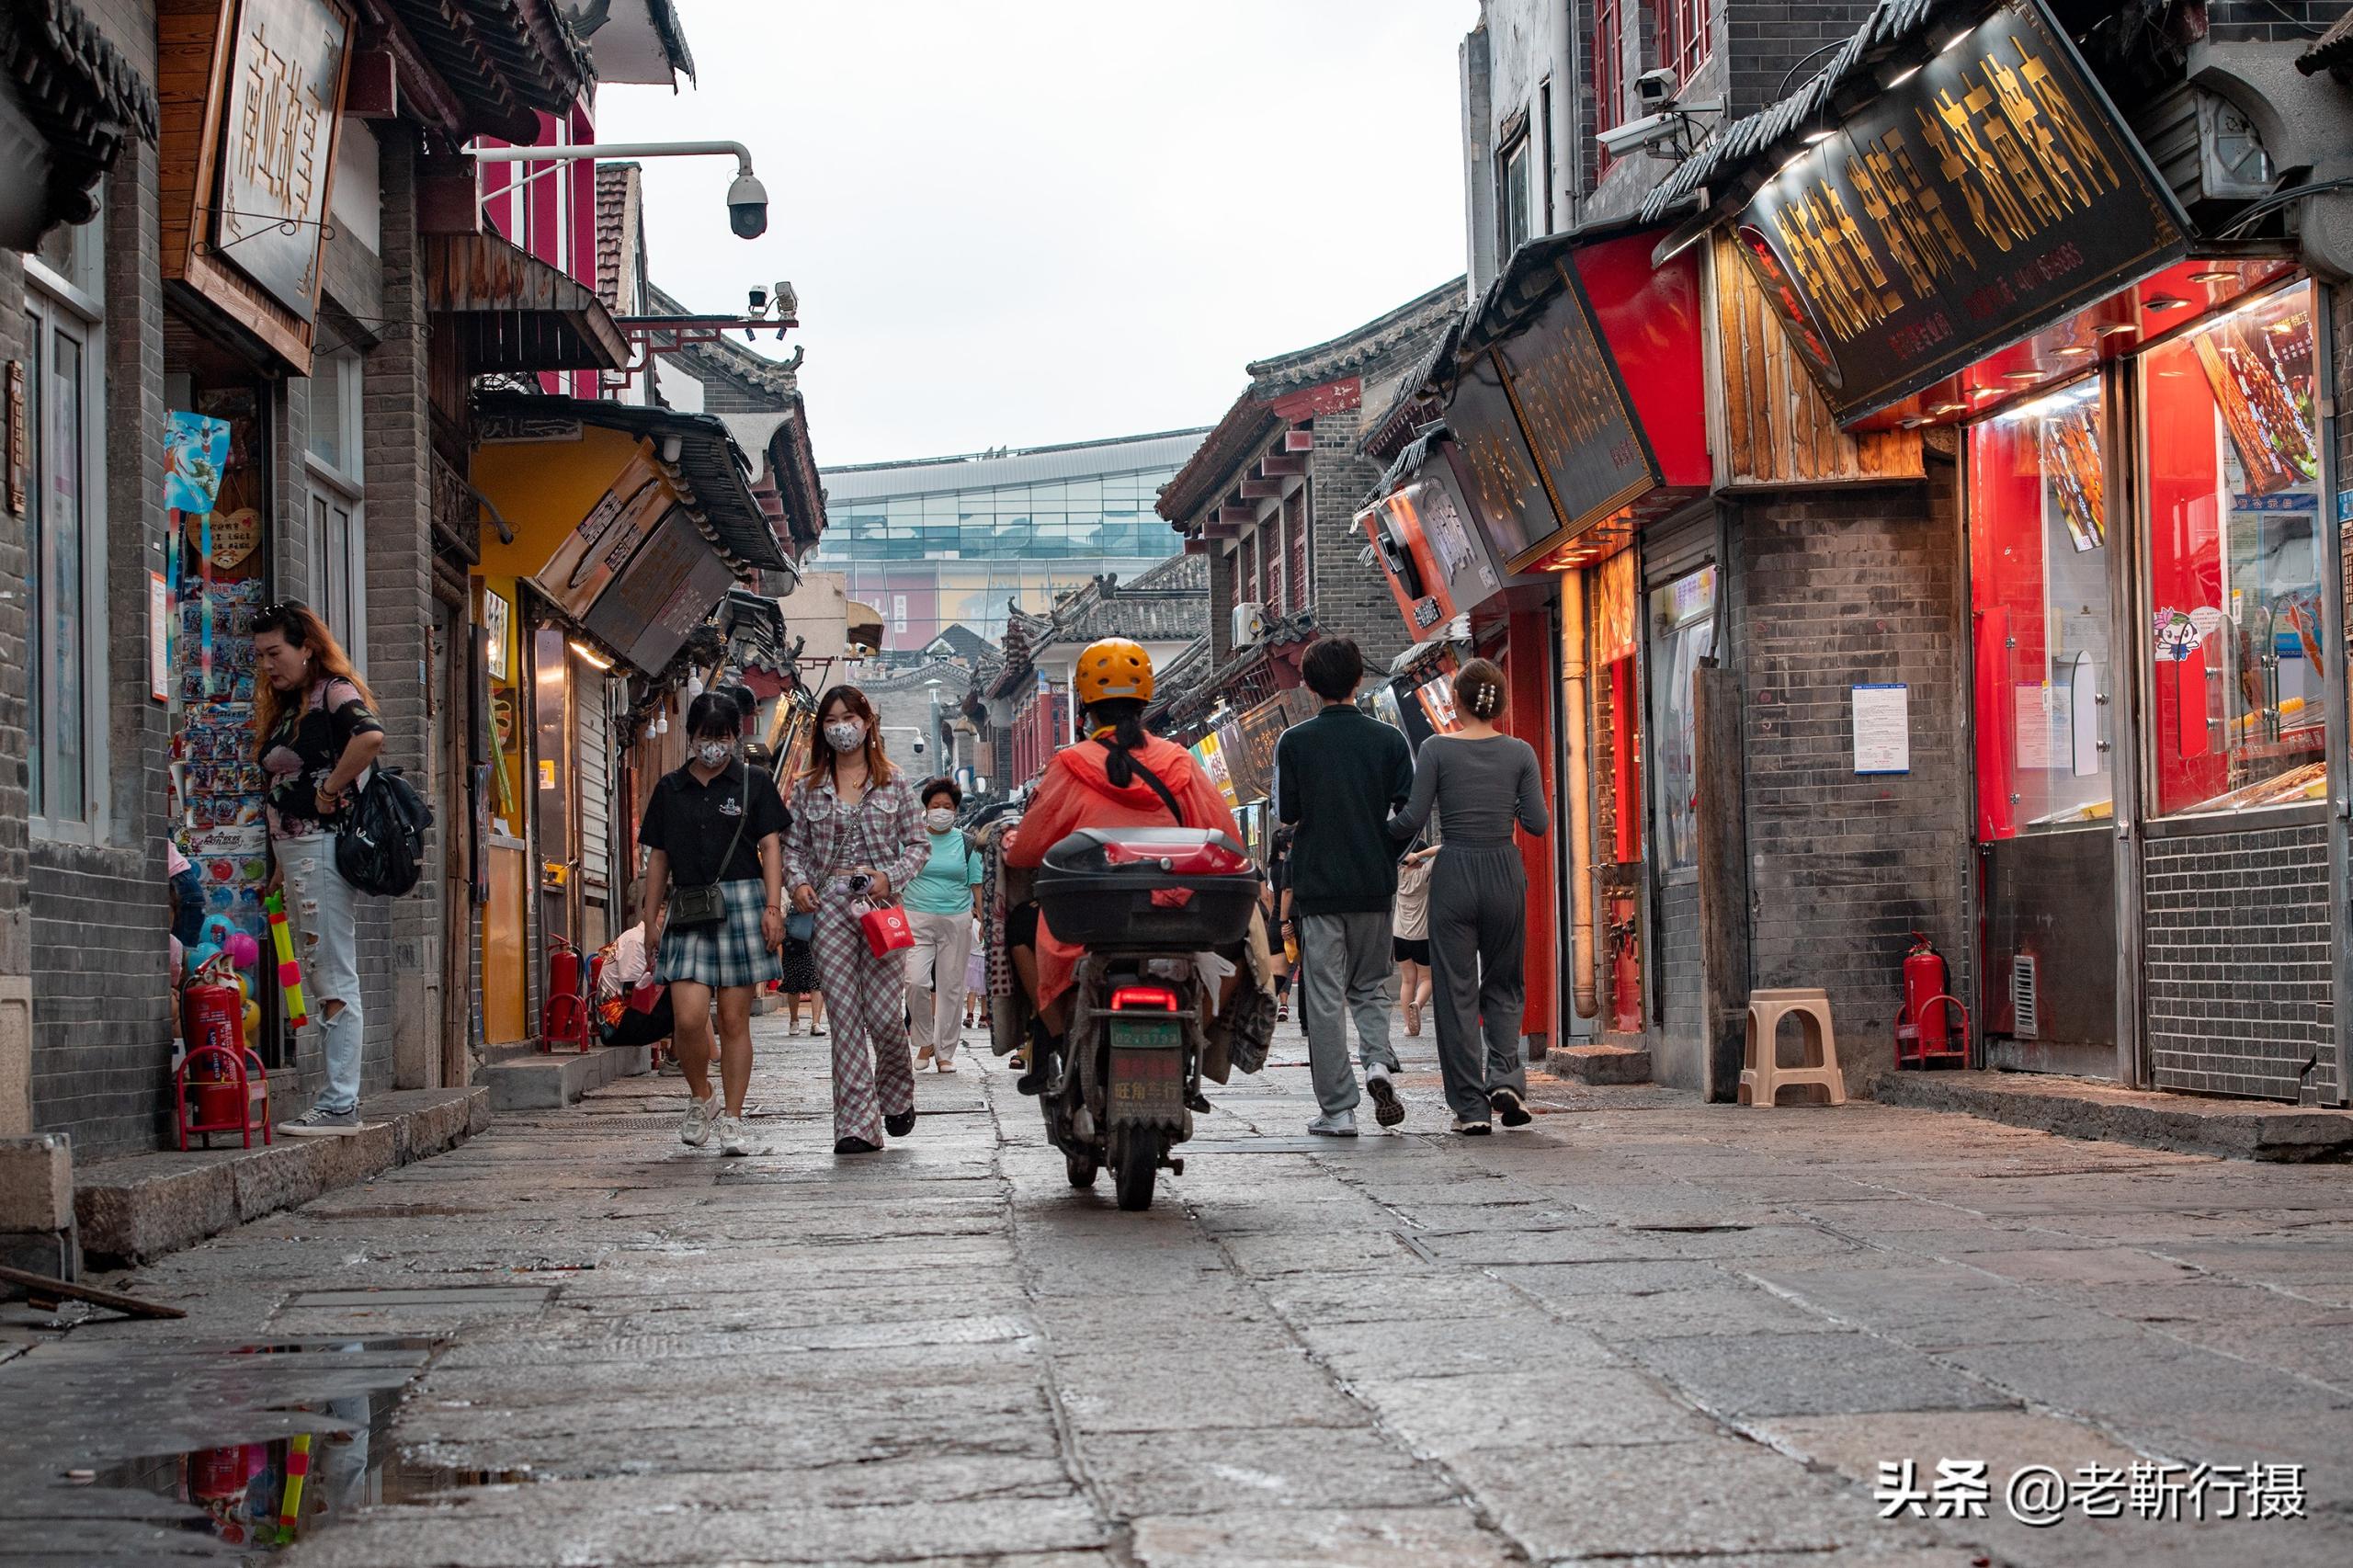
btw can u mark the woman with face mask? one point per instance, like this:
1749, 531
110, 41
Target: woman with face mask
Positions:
714, 909
942, 903
858, 840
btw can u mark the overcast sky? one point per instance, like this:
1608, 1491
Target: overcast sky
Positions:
1025, 221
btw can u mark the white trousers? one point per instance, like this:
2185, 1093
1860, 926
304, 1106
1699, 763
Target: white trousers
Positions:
936, 980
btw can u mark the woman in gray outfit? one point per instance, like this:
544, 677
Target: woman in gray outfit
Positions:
1480, 781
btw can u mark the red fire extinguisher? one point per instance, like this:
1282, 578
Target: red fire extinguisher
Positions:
1924, 982
214, 1017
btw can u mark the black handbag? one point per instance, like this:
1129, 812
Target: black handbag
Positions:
692, 907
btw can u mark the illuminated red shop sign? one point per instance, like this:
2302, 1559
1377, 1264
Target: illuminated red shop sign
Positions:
1983, 195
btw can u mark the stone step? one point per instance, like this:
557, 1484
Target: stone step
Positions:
1600, 1064
143, 1205
2087, 1108
555, 1079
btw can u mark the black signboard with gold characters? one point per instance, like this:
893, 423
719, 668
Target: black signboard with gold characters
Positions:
1980, 198
1548, 435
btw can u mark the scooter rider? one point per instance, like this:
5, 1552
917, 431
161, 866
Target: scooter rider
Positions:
1121, 776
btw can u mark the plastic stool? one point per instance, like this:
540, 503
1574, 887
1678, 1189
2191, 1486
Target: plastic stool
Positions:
1762, 1076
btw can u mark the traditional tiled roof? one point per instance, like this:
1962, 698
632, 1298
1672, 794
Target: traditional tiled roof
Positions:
963, 643
1247, 424
2333, 50
80, 92
1734, 150
505, 60
1178, 574
620, 220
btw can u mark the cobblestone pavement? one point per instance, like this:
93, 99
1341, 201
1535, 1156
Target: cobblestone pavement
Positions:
1642, 1330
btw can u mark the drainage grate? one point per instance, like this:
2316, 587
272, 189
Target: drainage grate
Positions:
2025, 997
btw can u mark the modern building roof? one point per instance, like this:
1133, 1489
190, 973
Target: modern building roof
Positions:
1025, 465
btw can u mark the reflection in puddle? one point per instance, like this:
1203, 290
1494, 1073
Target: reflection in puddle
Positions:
265, 1496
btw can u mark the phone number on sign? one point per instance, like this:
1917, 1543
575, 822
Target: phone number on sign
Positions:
2041, 1495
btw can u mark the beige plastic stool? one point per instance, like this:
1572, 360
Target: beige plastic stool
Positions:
1762, 1077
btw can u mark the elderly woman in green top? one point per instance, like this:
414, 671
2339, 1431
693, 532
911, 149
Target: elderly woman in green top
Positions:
942, 903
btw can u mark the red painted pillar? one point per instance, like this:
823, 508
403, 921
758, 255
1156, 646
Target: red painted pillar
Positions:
1530, 650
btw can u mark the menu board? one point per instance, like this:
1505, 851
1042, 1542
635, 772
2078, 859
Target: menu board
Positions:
1987, 194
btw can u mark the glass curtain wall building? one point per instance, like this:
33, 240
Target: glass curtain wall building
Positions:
935, 541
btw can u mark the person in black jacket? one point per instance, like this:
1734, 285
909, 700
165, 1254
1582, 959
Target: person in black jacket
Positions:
1338, 778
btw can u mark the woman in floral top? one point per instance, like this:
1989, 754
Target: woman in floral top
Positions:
316, 734
856, 840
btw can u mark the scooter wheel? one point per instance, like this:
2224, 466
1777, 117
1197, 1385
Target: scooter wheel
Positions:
1080, 1168
1138, 1167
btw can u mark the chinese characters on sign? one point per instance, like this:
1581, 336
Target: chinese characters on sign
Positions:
1985, 197
284, 88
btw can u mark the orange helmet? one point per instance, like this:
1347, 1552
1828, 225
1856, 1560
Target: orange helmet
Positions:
1113, 668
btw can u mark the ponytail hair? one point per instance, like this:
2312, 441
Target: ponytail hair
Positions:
1479, 689
1119, 723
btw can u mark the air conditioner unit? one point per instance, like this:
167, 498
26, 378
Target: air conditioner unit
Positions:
1250, 624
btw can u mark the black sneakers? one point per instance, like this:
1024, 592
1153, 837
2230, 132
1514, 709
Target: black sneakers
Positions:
1509, 1108
899, 1126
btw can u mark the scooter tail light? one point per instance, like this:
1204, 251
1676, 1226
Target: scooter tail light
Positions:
1200, 860
1143, 999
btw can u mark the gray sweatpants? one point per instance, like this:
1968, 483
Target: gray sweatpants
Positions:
1478, 933
1345, 959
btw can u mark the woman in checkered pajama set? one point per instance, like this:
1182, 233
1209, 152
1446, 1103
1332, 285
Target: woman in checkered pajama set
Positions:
853, 813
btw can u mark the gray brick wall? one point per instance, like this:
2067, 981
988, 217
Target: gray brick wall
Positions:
16, 923
2295, 22
2241, 962
1831, 589
1347, 594
102, 1015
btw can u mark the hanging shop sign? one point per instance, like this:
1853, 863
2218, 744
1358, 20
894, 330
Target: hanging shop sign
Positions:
1549, 440
593, 552
666, 590
1988, 194
497, 622
1439, 565
1613, 608
245, 168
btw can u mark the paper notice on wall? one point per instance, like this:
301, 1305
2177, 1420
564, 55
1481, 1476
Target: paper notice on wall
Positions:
1883, 728
2033, 726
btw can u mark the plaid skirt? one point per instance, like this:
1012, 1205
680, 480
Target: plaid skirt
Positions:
729, 952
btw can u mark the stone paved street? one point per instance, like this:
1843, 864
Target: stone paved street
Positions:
1640, 1330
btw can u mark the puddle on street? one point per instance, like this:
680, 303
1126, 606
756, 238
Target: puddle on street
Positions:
265, 1496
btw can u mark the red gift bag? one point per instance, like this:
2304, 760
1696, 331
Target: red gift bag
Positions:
886, 929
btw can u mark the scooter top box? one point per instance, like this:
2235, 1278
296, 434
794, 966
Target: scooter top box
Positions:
1179, 887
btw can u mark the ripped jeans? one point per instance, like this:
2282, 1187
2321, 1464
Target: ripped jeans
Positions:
323, 907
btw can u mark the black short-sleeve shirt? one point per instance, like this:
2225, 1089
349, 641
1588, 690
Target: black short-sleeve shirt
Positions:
691, 822
303, 749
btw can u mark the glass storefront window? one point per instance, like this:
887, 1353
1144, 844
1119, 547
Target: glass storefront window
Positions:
2235, 640
2041, 614
1683, 632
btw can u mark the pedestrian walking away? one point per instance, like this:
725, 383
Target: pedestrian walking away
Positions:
712, 831
1478, 782
1338, 778
1411, 922
857, 839
943, 902
316, 732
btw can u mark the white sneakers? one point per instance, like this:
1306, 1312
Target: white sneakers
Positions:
733, 1138
1341, 1126
694, 1129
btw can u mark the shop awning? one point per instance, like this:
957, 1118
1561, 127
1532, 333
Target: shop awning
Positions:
695, 448
516, 312
84, 100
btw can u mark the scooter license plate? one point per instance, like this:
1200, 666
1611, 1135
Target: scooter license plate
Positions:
1147, 1085
1166, 1032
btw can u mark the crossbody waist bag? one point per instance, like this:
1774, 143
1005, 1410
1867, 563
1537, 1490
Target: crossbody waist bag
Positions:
705, 905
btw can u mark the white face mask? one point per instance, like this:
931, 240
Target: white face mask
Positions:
846, 735
714, 753
939, 819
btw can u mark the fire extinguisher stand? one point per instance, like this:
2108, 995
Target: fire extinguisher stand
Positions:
231, 1086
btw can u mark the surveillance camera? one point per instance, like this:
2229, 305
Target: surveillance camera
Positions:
1636, 134
1656, 87
918, 748
747, 207
787, 302
759, 297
